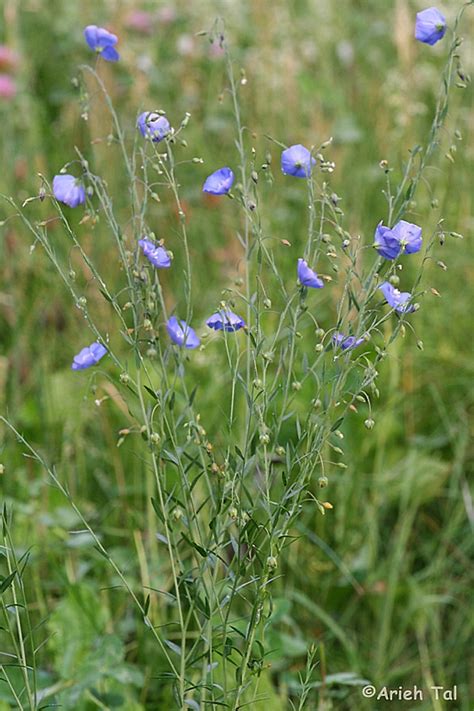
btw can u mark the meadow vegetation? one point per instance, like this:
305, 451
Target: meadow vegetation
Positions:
139, 495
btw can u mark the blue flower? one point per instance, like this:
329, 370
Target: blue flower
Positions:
102, 41
396, 299
67, 189
307, 276
430, 26
153, 125
386, 243
90, 355
404, 237
346, 342
225, 320
182, 334
219, 182
155, 254
297, 161
409, 236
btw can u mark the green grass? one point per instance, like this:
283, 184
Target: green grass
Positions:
381, 584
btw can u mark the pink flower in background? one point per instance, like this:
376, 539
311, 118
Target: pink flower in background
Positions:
140, 21
216, 51
8, 58
166, 15
7, 87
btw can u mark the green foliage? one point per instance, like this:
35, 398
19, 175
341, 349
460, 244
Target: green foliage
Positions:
381, 585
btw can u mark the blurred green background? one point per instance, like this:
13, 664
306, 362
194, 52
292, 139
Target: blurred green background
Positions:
383, 583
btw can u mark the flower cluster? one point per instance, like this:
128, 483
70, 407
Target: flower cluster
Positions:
296, 161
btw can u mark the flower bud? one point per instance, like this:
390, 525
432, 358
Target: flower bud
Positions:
369, 423
177, 513
155, 438
124, 378
323, 481
272, 562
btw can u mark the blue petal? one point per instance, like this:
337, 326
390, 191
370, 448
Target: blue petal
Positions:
307, 276
430, 26
297, 161
219, 182
157, 255
386, 242
88, 356
66, 189
110, 54
225, 321
153, 126
182, 334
